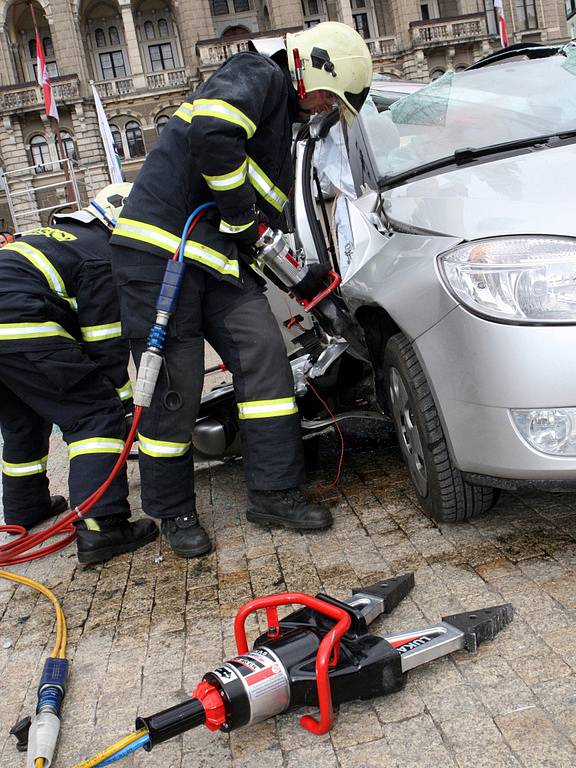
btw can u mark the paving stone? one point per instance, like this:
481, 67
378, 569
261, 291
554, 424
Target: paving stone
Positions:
535, 739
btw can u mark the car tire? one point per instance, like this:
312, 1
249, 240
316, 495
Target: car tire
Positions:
441, 490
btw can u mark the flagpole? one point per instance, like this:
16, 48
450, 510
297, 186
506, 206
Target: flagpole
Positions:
55, 126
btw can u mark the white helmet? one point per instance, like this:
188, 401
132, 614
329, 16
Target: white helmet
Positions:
108, 203
331, 57
106, 206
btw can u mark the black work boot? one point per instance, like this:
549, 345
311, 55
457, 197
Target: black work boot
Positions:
58, 504
287, 508
100, 539
186, 536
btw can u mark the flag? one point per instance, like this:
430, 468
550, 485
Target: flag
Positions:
44, 81
112, 158
499, 8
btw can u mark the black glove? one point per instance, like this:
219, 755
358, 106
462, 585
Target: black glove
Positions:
312, 282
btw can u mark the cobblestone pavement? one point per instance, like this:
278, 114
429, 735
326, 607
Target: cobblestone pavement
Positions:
143, 632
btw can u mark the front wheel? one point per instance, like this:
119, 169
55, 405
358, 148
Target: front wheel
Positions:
441, 490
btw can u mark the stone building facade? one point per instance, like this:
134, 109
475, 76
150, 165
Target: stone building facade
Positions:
145, 55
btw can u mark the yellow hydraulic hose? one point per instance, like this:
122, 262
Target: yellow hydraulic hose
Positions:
112, 749
59, 649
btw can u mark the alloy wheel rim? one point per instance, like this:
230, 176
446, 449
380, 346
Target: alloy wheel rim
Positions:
408, 434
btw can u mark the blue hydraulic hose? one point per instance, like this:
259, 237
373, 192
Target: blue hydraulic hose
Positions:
125, 751
194, 213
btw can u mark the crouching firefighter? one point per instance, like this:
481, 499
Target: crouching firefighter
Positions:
63, 361
229, 144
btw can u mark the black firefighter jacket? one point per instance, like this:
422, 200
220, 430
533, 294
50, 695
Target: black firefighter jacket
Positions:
56, 289
229, 144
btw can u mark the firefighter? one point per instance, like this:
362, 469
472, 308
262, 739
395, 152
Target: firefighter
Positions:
63, 361
229, 143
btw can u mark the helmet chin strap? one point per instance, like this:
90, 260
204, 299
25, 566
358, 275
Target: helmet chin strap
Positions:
298, 69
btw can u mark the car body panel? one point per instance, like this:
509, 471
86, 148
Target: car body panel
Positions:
396, 272
529, 193
478, 370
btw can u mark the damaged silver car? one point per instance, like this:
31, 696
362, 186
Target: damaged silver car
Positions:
454, 234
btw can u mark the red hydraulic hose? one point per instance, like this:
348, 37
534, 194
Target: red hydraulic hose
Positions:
18, 551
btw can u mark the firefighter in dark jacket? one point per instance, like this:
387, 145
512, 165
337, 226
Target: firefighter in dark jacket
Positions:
231, 144
63, 361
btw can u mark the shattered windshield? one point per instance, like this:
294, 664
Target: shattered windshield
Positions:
492, 105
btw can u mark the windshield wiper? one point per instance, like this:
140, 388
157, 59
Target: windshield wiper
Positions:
470, 154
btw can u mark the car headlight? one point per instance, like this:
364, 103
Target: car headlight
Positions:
522, 279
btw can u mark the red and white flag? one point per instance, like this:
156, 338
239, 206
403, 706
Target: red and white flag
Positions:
499, 8
44, 80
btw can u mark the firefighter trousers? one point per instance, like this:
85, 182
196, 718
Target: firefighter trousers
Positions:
63, 387
238, 322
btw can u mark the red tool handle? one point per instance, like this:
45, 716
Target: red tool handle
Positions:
328, 651
308, 305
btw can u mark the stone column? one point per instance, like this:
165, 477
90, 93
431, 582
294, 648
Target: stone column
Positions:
91, 155
7, 69
344, 12
132, 46
67, 42
286, 14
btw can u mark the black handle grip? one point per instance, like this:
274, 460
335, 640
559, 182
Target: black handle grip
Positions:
171, 722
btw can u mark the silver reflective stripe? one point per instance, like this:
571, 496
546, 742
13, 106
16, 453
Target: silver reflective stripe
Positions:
161, 448
95, 445
233, 229
125, 392
35, 467
228, 180
44, 265
101, 332
264, 186
265, 409
147, 233
218, 108
15, 331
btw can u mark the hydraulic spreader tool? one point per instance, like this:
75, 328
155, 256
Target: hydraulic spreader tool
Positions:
321, 655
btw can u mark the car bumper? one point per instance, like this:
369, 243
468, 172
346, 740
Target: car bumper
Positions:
480, 370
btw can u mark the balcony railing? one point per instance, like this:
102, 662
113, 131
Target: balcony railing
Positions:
211, 53
171, 78
472, 26
28, 96
382, 47
119, 87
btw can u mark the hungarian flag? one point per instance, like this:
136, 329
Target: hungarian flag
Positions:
44, 81
499, 8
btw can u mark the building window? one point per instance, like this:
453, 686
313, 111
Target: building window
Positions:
526, 14
219, 7
114, 36
161, 57
241, 5
40, 154
160, 123
68, 145
361, 25
117, 139
134, 139
48, 47
149, 30
100, 38
163, 28
112, 65
436, 73
570, 8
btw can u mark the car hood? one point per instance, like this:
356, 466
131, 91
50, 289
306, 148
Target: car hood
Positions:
525, 194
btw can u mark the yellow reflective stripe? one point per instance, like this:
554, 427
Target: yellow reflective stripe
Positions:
161, 448
232, 229
125, 392
53, 277
147, 233
95, 445
265, 409
11, 331
216, 108
264, 186
228, 180
101, 332
35, 467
